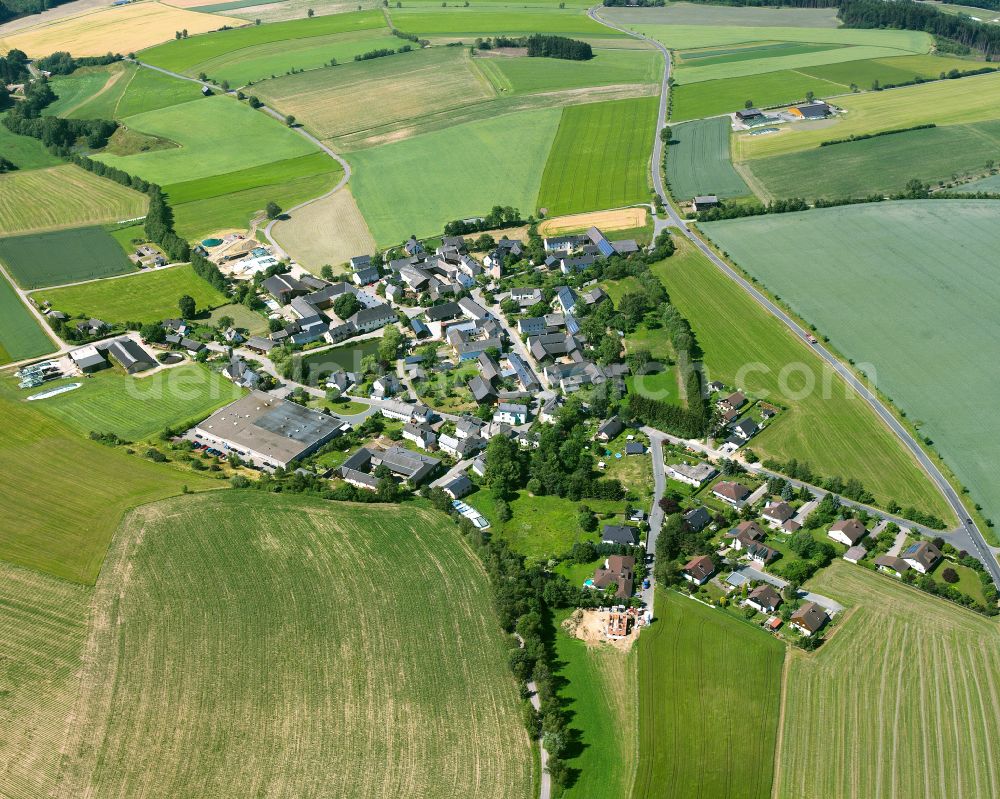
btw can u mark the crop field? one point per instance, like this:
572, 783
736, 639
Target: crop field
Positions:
600, 157
364, 673
455, 20
608, 221
601, 695
688, 37
216, 135
143, 297
523, 75
416, 185
698, 161
888, 274
882, 165
690, 746
722, 16
889, 70
948, 102
900, 702
134, 408
284, 10
187, 55
63, 256
63, 197
382, 92
990, 184
328, 231
829, 426
20, 335
711, 98
112, 29
64, 529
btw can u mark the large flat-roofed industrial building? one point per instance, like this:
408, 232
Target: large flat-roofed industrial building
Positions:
270, 430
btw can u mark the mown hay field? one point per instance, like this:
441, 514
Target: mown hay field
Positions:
142, 297
419, 184
827, 425
600, 157
63, 256
601, 694
328, 231
281, 645
699, 162
947, 102
901, 701
882, 165
20, 334
709, 695
67, 493
186, 54
899, 69
119, 29
523, 75
215, 135
909, 291
63, 197
378, 93
136, 407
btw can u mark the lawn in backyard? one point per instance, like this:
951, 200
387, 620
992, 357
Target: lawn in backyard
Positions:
687, 740
195, 594
600, 693
63, 256
216, 135
829, 427
906, 674
67, 493
243, 318
143, 297
20, 333
600, 157
137, 407
699, 162
419, 184
909, 292
63, 196
881, 165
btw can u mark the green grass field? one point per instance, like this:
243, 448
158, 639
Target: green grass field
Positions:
990, 184
948, 102
216, 135
20, 335
829, 427
709, 694
63, 256
187, 54
148, 297
882, 165
134, 408
875, 297
690, 14
687, 37
455, 21
600, 157
709, 56
900, 702
419, 184
68, 493
888, 70
25, 152
274, 173
63, 197
378, 95
698, 161
711, 98
224, 669
148, 90
601, 694
79, 88
608, 67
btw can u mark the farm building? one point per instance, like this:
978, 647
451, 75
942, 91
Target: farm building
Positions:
815, 110
88, 359
272, 431
413, 467
749, 116
704, 202
129, 354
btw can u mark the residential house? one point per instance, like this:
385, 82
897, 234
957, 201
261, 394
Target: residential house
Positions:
777, 513
458, 487
368, 319
420, 434
618, 570
809, 618
482, 390
595, 296
532, 326
733, 402
511, 413
385, 386
550, 410
922, 556
609, 429
696, 475
761, 554
698, 518
764, 598
526, 296
619, 534
892, 565
745, 534
734, 494
745, 429
468, 427
699, 569
847, 531
855, 554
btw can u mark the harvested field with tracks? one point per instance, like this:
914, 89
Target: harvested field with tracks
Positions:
276, 644
900, 702
63, 197
619, 219
328, 231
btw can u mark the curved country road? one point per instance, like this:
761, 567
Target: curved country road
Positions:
300, 130
968, 535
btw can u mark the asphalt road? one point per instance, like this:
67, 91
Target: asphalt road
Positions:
968, 531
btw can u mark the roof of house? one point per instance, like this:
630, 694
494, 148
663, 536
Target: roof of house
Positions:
851, 529
698, 518
439, 313
635, 448
700, 567
810, 616
779, 511
855, 553
734, 491
378, 313
759, 551
481, 389
923, 552
130, 354
892, 562
619, 534
765, 596
459, 486
610, 427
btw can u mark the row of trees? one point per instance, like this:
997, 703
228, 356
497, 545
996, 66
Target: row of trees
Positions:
62, 63
499, 217
559, 47
381, 52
